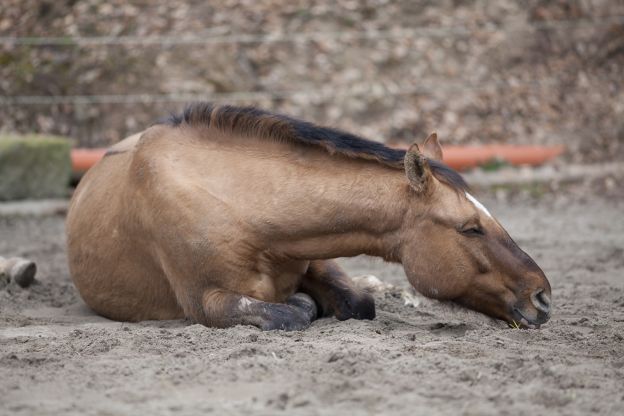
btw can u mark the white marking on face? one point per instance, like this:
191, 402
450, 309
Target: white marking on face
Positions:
478, 204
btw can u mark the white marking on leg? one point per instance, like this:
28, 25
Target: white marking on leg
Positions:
371, 283
478, 204
411, 298
244, 303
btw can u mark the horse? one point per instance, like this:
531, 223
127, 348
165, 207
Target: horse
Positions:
228, 215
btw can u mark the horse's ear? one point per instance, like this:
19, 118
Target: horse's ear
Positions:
432, 148
417, 169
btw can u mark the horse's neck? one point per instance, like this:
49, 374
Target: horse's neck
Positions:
339, 207
301, 201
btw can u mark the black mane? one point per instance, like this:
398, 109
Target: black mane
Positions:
252, 121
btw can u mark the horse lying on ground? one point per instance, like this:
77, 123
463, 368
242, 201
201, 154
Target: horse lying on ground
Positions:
229, 216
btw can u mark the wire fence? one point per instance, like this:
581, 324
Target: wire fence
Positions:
376, 90
167, 40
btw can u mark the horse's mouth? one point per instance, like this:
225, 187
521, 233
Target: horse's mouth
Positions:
520, 321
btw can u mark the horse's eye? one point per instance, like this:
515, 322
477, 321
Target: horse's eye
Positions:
472, 230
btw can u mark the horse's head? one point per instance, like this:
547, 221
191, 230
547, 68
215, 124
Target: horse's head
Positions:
454, 249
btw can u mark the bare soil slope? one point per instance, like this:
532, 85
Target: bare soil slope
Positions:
474, 70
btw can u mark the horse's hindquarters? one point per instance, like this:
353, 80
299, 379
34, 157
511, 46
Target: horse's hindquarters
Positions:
109, 263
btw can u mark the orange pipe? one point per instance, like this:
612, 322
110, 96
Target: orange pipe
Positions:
83, 159
457, 157
465, 157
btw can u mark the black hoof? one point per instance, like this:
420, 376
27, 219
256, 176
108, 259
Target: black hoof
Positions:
24, 273
305, 303
285, 318
354, 305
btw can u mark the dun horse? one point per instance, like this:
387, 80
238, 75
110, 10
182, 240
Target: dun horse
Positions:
229, 216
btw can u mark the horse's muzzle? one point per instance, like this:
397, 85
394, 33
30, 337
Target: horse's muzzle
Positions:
541, 301
533, 315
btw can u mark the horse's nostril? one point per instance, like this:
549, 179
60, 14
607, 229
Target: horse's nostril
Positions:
541, 301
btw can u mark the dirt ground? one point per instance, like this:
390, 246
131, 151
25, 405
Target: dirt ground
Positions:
56, 357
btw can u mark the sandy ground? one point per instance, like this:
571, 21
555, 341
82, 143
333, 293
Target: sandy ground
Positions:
56, 357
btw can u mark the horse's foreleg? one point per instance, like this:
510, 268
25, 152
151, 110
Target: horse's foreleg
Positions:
335, 293
222, 308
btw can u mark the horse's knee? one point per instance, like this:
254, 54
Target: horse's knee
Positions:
355, 304
223, 308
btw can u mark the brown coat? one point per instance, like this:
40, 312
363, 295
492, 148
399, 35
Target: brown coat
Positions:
224, 214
